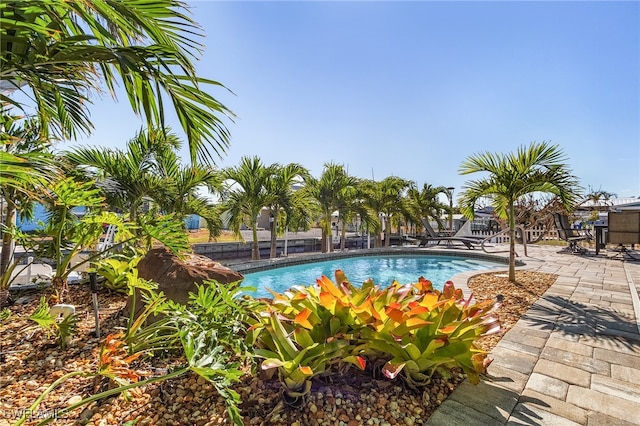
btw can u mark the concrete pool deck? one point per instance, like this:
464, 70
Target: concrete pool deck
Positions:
572, 359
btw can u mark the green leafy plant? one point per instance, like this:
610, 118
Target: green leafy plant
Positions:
179, 328
297, 357
209, 360
209, 330
116, 269
220, 309
62, 329
67, 235
16, 266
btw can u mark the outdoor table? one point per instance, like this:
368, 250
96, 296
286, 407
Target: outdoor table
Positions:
601, 241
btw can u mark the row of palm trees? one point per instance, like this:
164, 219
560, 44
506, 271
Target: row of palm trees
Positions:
149, 172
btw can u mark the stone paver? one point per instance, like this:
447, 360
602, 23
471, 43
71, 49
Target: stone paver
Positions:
573, 359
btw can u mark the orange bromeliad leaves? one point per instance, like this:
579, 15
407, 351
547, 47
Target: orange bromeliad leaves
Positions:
303, 318
327, 285
114, 361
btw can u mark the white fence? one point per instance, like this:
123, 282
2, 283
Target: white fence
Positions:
532, 234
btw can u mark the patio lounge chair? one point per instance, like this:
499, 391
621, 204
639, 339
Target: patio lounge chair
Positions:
570, 235
432, 237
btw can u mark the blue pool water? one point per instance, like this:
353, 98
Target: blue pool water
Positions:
383, 270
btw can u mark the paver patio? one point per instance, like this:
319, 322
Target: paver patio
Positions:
572, 359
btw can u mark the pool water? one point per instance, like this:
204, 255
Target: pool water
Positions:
383, 270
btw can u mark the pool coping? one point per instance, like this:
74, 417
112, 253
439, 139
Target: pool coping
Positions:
266, 264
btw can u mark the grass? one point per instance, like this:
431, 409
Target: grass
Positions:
202, 236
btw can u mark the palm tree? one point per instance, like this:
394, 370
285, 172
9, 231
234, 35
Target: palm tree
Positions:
247, 196
424, 204
329, 191
26, 168
280, 187
385, 198
150, 170
540, 167
128, 177
61, 52
352, 205
180, 190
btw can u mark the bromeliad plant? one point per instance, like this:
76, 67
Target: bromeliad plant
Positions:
414, 329
303, 332
291, 350
434, 332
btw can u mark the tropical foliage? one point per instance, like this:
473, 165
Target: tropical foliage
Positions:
247, 195
330, 191
385, 199
539, 167
422, 203
148, 174
26, 168
62, 53
283, 200
413, 329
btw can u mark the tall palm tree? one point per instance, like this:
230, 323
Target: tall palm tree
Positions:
149, 169
247, 195
60, 53
26, 168
128, 177
540, 167
281, 187
424, 203
352, 205
328, 192
385, 198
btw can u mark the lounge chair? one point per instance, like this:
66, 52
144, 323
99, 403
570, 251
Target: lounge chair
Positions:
570, 235
432, 238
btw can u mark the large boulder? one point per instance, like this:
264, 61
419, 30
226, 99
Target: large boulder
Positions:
176, 277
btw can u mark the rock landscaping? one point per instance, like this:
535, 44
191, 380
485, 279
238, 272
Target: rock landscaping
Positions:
31, 361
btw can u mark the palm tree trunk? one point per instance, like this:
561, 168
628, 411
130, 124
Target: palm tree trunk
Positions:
255, 255
343, 236
4, 297
326, 231
274, 225
387, 233
512, 243
7, 239
323, 240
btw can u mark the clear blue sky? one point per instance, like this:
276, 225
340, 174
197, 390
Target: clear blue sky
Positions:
412, 88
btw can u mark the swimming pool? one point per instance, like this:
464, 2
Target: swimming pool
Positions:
383, 269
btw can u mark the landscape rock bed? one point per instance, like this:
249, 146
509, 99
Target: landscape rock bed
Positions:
30, 361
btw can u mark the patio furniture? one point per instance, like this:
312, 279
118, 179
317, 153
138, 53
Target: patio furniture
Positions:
434, 238
570, 235
624, 228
